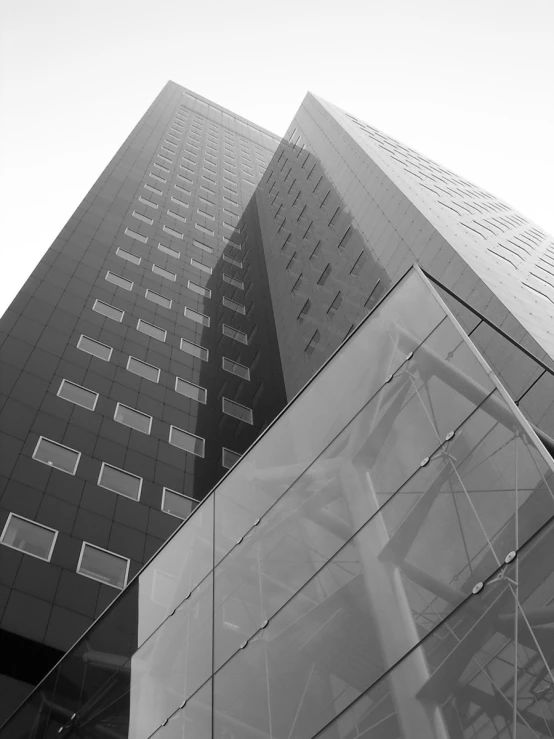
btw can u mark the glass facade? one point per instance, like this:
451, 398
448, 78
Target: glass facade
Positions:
377, 565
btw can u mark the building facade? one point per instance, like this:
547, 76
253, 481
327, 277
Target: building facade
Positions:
207, 276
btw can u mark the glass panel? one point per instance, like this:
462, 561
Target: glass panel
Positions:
108, 310
194, 349
58, 456
132, 418
29, 537
229, 458
193, 720
164, 273
169, 250
157, 298
143, 369
102, 351
235, 368
127, 255
119, 281
119, 481
190, 390
197, 317
150, 330
177, 504
78, 395
237, 411
101, 565
187, 441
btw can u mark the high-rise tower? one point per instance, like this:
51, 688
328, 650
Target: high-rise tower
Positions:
205, 278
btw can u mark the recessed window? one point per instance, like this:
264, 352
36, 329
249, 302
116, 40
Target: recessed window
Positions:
172, 232
336, 304
120, 481
142, 218
157, 298
205, 214
304, 312
107, 567
119, 281
29, 537
200, 266
187, 441
127, 255
90, 346
312, 344
203, 229
237, 307
105, 309
147, 202
160, 166
150, 330
179, 202
235, 368
177, 217
229, 458
324, 275
152, 189
232, 281
202, 246
133, 418
359, 263
190, 390
177, 504
166, 159
148, 371
207, 293
230, 260
78, 395
135, 235
169, 250
164, 273
194, 350
197, 317
156, 177
183, 190
234, 334
237, 410
56, 455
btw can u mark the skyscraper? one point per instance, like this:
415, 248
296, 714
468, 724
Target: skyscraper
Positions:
206, 277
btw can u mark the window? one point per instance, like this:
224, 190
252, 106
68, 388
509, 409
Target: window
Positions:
359, 263
200, 266
169, 250
29, 537
119, 481
342, 243
235, 368
190, 390
207, 202
149, 203
297, 285
164, 273
127, 255
314, 341
156, 177
148, 371
56, 455
108, 310
202, 246
90, 346
157, 298
78, 395
182, 189
237, 307
232, 281
234, 334
140, 217
166, 159
172, 232
160, 166
151, 330
199, 289
237, 411
177, 217
324, 275
230, 260
203, 229
132, 418
194, 350
134, 235
179, 202
152, 189
99, 564
229, 458
197, 317
206, 215
119, 281
304, 312
177, 504
336, 304
187, 441
185, 179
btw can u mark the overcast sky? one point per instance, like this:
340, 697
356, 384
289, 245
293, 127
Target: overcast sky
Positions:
469, 83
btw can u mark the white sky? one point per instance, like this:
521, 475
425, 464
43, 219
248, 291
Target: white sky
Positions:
469, 83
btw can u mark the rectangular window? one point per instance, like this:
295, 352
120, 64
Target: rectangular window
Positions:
171, 232
183, 190
169, 250
119, 481
160, 166
151, 330
184, 179
56, 455
232, 333
197, 317
90, 346
177, 217
179, 202
29, 537
142, 218
343, 242
332, 221
190, 390
127, 255
108, 310
230, 260
200, 266
204, 247
324, 275
166, 159
156, 177
132, 418
177, 504
119, 281
203, 229
336, 304
207, 189
157, 298
78, 394
204, 291
237, 307
194, 350
235, 368
237, 410
164, 273
304, 312
229, 200
317, 250
148, 371
135, 235
187, 441
205, 214
297, 285
207, 202
149, 203
152, 189
314, 341
99, 564
359, 263
232, 281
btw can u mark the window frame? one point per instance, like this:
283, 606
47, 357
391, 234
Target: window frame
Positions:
119, 277
193, 384
187, 433
53, 466
109, 305
107, 551
69, 382
240, 405
120, 405
12, 515
121, 252
119, 469
191, 343
164, 273
145, 363
194, 315
236, 374
84, 336
156, 302
147, 323
181, 495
